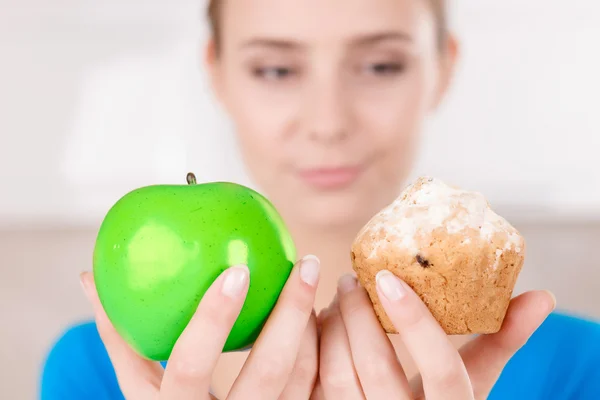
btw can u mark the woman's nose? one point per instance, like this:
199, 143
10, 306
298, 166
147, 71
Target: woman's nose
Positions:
327, 116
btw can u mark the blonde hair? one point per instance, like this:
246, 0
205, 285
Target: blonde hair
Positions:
438, 8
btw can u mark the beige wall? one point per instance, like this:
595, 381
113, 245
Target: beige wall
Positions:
40, 292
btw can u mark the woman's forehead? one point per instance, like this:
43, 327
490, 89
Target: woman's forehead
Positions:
319, 20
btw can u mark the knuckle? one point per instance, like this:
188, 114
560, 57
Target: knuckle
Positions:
339, 380
299, 303
413, 317
356, 305
377, 371
306, 369
186, 372
351, 305
448, 377
215, 314
272, 371
335, 376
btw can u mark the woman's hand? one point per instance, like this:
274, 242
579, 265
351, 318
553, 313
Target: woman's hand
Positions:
282, 363
357, 360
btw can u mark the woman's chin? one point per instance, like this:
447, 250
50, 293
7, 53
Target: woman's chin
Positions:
331, 210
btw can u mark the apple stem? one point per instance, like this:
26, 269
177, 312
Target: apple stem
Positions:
191, 178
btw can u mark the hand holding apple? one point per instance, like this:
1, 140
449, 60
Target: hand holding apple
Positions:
283, 362
161, 247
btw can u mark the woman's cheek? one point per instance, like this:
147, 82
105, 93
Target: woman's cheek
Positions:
265, 109
261, 135
392, 116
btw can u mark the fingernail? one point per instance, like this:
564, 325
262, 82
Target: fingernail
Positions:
390, 285
235, 281
83, 282
249, 347
309, 270
347, 283
553, 307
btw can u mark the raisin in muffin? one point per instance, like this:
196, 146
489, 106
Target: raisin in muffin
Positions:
457, 254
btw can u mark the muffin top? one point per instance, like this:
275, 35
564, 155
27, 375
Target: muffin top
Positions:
430, 205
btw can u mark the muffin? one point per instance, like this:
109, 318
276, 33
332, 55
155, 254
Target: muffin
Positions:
447, 244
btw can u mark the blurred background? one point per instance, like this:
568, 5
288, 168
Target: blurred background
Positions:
100, 97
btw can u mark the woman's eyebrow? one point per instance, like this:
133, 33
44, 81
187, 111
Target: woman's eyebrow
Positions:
372, 38
275, 43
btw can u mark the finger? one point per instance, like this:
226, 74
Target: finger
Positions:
486, 356
273, 356
194, 356
444, 374
138, 378
317, 393
379, 371
305, 372
337, 376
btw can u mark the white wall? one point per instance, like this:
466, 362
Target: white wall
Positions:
99, 97
524, 107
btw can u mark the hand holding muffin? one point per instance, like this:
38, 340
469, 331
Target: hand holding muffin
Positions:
358, 361
437, 261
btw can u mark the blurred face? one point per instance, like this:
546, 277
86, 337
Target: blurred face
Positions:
328, 99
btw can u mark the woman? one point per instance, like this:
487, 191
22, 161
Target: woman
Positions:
329, 99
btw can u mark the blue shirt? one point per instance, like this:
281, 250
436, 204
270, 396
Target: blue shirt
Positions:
560, 361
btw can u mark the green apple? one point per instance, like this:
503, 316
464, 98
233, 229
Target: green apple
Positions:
160, 247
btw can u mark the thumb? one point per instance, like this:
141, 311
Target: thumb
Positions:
486, 356
138, 378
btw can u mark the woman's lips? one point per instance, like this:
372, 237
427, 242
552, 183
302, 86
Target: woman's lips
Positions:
330, 178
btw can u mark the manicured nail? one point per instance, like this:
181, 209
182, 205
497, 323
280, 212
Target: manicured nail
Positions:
84, 282
553, 307
347, 283
390, 285
309, 270
249, 347
235, 282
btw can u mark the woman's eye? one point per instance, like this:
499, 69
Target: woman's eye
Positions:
273, 73
385, 68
